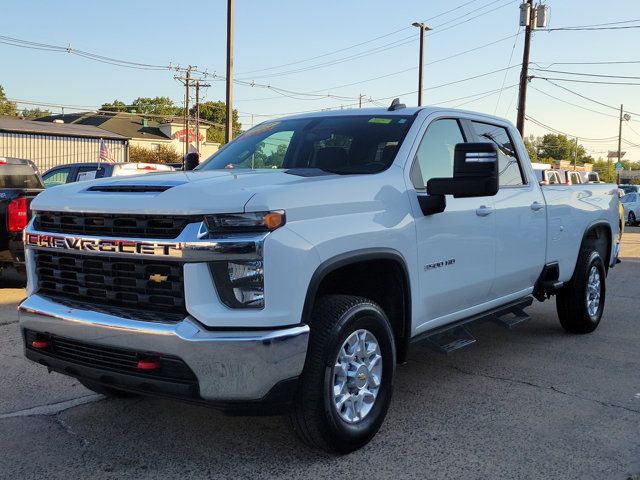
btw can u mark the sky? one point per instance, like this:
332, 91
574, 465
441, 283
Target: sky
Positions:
331, 52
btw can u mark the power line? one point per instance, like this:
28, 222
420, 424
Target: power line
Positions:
585, 97
555, 130
622, 62
379, 49
582, 74
585, 81
573, 104
575, 29
335, 87
16, 42
357, 44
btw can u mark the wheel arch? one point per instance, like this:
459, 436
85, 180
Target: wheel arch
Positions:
600, 235
331, 275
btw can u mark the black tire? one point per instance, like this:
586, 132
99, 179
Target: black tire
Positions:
315, 418
571, 300
632, 219
106, 391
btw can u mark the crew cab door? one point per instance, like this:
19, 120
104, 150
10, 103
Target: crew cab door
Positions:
519, 205
455, 248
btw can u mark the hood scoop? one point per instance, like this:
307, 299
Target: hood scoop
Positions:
130, 188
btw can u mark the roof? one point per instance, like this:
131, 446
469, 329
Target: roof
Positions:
16, 125
125, 124
406, 111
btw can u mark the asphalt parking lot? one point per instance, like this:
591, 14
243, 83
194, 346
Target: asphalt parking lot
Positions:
529, 403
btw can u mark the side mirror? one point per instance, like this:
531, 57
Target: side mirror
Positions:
191, 161
475, 174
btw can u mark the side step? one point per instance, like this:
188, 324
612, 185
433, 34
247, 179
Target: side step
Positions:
452, 337
451, 340
511, 319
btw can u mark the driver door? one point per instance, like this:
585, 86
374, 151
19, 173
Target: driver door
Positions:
456, 248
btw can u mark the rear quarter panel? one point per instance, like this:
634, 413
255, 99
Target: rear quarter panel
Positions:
571, 211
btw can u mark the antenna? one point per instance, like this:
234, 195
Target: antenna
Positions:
396, 105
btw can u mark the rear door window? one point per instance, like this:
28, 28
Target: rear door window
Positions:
508, 163
19, 176
56, 177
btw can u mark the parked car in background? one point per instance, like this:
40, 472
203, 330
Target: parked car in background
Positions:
20, 182
547, 176
631, 204
77, 172
590, 177
630, 188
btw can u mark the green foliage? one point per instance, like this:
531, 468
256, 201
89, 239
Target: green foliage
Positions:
115, 106
605, 169
551, 148
215, 112
148, 105
273, 159
7, 107
530, 144
30, 113
165, 154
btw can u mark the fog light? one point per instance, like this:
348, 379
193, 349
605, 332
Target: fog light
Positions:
240, 284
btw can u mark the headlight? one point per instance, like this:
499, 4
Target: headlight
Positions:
240, 284
244, 222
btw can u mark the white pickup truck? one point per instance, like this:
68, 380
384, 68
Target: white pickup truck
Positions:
292, 271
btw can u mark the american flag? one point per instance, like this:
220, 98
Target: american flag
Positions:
105, 153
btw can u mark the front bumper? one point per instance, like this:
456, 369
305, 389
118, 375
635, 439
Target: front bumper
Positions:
230, 366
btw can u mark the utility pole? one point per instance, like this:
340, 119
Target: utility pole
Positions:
575, 155
423, 28
619, 138
186, 111
228, 131
360, 101
198, 116
524, 73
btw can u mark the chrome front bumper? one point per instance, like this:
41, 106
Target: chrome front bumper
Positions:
229, 365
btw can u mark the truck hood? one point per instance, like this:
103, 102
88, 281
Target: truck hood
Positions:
178, 193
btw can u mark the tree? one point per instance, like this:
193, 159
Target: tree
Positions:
164, 154
531, 144
215, 112
29, 113
115, 106
151, 106
7, 107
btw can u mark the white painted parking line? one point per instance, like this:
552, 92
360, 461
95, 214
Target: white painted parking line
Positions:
53, 408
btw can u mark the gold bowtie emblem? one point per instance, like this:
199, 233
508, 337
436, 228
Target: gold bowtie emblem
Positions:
157, 278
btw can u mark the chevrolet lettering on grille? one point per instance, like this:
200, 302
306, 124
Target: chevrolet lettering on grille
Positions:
102, 245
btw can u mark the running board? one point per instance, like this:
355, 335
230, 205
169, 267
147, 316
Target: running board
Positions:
451, 340
453, 337
511, 319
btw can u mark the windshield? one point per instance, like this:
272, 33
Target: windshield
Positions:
342, 144
19, 176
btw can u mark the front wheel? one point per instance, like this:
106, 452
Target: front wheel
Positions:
347, 382
580, 303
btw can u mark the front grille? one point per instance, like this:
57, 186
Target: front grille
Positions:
114, 225
113, 282
113, 359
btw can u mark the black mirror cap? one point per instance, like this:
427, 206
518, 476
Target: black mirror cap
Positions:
191, 161
475, 172
475, 160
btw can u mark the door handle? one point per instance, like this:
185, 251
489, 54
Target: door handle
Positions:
535, 206
483, 211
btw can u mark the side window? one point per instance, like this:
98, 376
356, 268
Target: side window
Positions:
434, 158
508, 163
56, 177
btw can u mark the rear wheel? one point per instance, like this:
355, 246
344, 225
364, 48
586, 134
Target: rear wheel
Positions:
632, 219
347, 382
580, 303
